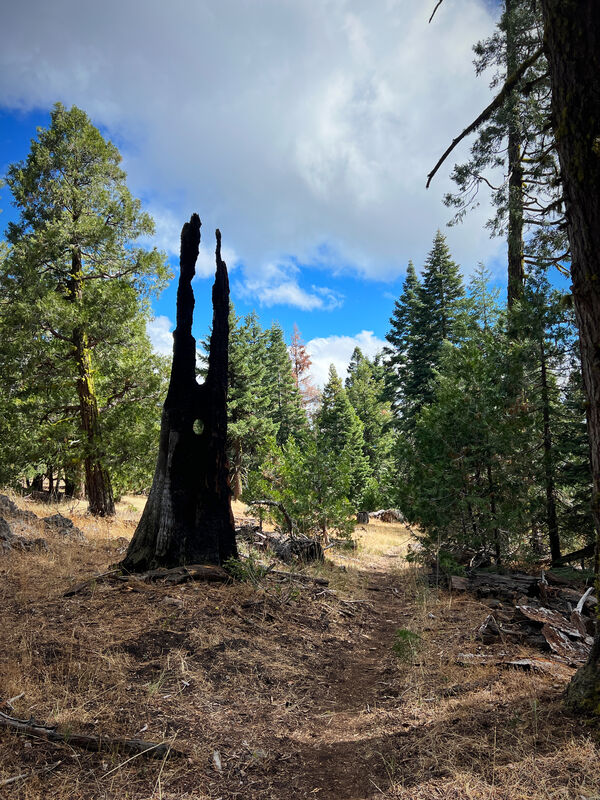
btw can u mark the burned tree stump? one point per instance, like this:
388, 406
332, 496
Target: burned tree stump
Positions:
188, 518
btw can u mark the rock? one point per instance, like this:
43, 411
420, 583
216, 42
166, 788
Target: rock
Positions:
10, 509
362, 517
10, 541
64, 526
7, 506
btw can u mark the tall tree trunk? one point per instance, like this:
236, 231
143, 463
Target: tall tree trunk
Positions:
551, 519
97, 480
516, 275
496, 532
572, 36
237, 470
188, 518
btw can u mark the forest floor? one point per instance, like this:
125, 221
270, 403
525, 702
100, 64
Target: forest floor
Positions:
280, 690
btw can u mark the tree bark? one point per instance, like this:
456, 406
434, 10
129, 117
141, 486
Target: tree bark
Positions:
97, 480
551, 519
188, 518
516, 275
572, 42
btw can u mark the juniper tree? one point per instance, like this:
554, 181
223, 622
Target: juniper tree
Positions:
75, 275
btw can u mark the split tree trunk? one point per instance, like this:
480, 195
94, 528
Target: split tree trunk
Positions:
572, 36
188, 518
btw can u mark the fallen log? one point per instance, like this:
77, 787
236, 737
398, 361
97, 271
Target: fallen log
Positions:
545, 616
23, 776
387, 515
584, 552
79, 587
288, 548
554, 667
191, 572
86, 742
575, 653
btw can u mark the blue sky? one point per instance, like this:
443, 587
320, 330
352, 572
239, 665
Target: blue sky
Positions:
304, 131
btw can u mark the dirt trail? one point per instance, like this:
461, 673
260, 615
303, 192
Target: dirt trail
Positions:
275, 691
342, 748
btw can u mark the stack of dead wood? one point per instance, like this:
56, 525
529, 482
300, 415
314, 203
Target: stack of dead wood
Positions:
544, 612
388, 515
286, 547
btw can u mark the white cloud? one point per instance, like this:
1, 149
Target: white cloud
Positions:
160, 333
277, 284
337, 350
167, 238
290, 125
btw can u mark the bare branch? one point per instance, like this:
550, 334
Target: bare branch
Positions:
438, 4
509, 85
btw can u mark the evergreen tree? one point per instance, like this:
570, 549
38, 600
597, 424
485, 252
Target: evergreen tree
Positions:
74, 284
340, 432
439, 319
365, 390
517, 139
401, 379
249, 421
285, 400
314, 484
461, 468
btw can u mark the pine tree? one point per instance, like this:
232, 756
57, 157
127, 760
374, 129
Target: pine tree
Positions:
340, 432
401, 381
74, 284
518, 139
249, 421
285, 401
365, 390
439, 318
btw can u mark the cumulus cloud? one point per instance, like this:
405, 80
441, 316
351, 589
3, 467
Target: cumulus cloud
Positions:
160, 333
167, 235
277, 284
292, 126
337, 350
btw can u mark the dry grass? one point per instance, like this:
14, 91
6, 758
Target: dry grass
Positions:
296, 687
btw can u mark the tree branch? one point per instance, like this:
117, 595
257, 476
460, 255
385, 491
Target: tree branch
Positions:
438, 4
509, 85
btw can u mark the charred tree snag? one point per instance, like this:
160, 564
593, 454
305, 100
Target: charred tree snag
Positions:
188, 517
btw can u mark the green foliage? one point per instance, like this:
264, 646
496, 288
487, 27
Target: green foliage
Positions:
285, 400
427, 314
526, 116
312, 484
406, 644
366, 392
481, 468
339, 435
249, 422
74, 292
248, 570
